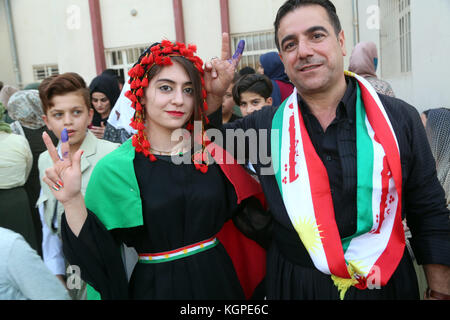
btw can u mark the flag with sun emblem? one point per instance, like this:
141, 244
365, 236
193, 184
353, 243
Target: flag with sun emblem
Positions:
378, 244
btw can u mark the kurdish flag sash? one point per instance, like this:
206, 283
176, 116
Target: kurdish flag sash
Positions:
371, 255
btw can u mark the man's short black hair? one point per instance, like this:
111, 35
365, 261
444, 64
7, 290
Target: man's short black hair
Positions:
255, 83
291, 5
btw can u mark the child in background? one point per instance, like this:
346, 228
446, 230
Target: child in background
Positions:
252, 92
67, 113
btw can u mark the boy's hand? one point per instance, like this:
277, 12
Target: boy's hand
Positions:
64, 178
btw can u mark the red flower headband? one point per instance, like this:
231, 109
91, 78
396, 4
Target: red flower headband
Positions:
159, 54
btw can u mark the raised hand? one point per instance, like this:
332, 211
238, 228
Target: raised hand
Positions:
219, 73
64, 177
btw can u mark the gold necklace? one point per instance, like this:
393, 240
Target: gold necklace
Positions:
179, 152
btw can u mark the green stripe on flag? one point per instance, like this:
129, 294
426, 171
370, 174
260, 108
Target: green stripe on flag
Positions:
365, 155
275, 141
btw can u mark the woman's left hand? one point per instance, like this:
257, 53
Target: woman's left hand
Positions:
99, 132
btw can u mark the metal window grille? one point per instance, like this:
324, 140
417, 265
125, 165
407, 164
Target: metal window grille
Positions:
256, 44
40, 72
122, 59
395, 37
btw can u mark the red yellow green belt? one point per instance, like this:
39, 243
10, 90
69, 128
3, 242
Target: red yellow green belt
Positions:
178, 253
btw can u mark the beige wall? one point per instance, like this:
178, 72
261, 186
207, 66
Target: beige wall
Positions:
153, 21
46, 33
203, 26
7, 75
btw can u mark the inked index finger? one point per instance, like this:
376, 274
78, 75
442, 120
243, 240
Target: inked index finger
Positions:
50, 147
65, 148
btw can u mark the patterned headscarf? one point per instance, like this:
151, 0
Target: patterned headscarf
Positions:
438, 132
26, 107
4, 127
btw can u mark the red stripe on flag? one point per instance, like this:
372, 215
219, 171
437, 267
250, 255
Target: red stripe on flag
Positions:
323, 207
389, 260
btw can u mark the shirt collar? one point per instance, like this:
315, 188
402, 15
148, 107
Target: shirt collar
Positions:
347, 105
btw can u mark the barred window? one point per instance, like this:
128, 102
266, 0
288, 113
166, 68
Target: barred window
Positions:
256, 44
40, 72
122, 59
395, 37
405, 35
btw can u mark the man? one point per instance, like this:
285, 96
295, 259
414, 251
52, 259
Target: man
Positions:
348, 166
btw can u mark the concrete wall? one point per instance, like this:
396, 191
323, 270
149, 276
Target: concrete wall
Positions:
7, 75
427, 85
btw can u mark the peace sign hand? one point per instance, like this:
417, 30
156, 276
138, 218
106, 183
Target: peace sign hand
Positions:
219, 73
64, 177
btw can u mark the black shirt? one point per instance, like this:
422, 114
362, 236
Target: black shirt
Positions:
424, 203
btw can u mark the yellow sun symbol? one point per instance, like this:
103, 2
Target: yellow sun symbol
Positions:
309, 233
357, 267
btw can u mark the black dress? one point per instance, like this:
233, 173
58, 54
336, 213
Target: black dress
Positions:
181, 206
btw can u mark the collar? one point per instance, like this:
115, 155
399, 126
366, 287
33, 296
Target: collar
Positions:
347, 105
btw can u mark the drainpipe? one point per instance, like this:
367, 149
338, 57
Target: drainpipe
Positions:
12, 41
179, 21
355, 22
225, 18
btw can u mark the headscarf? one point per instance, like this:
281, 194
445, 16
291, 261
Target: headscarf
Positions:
4, 127
273, 66
364, 59
26, 107
109, 86
274, 69
438, 132
6, 93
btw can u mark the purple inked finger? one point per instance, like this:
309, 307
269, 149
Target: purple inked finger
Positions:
239, 50
64, 144
64, 135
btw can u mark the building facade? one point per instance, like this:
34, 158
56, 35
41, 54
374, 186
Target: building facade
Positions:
44, 37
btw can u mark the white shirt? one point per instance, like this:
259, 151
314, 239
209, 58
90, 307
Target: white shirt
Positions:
16, 160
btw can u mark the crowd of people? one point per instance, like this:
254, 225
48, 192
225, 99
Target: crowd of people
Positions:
353, 204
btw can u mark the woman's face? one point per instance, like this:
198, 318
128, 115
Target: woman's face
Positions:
101, 103
169, 99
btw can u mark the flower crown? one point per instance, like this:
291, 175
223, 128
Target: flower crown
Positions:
158, 54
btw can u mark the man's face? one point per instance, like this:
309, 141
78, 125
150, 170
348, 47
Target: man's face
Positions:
311, 51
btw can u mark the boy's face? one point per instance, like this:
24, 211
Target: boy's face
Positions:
251, 102
69, 111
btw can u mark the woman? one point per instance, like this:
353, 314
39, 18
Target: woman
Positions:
25, 107
169, 213
15, 165
437, 125
364, 62
104, 93
270, 65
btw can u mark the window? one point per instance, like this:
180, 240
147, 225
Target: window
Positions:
405, 35
40, 72
122, 59
395, 37
256, 44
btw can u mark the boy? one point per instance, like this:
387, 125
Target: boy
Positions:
252, 92
66, 105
